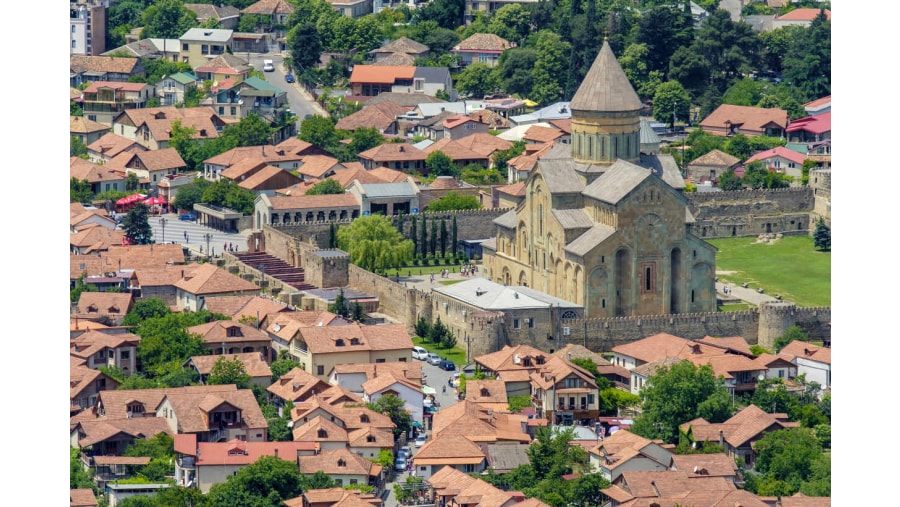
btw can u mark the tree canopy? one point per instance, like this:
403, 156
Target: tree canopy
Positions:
374, 244
328, 186
137, 225
266, 483
167, 19
679, 393
441, 164
229, 371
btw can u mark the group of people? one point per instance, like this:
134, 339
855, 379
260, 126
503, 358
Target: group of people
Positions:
468, 269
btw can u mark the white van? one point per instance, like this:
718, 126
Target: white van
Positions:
419, 353
268, 66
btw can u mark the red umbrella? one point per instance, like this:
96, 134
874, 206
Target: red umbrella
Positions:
123, 201
154, 201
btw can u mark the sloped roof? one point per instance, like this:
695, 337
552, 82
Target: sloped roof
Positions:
253, 362
605, 86
560, 175
716, 158
806, 350
269, 7
381, 74
618, 181
112, 64
93, 173
210, 279
402, 45
152, 160
818, 124
380, 116
389, 152
396, 60
778, 151
289, 202
81, 125
747, 117
206, 11
803, 14
483, 42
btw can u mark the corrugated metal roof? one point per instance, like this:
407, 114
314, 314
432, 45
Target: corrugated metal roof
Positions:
403, 189
590, 239
489, 295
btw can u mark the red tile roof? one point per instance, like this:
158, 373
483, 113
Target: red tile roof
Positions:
818, 124
381, 74
779, 151
803, 14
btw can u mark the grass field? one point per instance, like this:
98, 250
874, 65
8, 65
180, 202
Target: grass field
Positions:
790, 266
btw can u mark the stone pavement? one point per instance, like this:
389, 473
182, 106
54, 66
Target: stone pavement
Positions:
737, 293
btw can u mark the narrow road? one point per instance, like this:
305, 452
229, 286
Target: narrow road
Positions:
300, 101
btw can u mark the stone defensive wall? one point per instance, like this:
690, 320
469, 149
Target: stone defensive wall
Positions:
757, 326
396, 299
752, 212
470, 224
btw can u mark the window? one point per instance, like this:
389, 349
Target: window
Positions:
530, 322
352, 481
470, 469
470, 125
125, 354
184, 47
648, 277
233, 110
780, 373
381, 360
590, 399
204, 49
73, 44
339, 482
515, 323
320, 370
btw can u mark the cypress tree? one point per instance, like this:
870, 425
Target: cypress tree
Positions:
434, 237
443, 237
424, 238
453, 242
414, 236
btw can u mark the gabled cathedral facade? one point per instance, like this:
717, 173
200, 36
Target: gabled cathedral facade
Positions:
604, 225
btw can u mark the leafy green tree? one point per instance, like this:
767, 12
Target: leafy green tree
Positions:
437, 332
328, 186
818, 482
690, 69
319, 131
228, 193
252, 130
745, 92
374, 244
80, 191
676, 394
448, 341
165, 341
414, 236
810, 69
363, 139
501, 157
440, 164
512, 22
454, 201
758, 176
738, 146
663, 29
393, 407
822, 236
161, 451
283, 365
266, 483
76, 147
587, 490
137, 225
79, 478
550, 68
514, 70
478, 79
229, 371
787, 455
793, 333
190, 194
729, 181
671, 101
146, 309
167, 19
731, 48
634, 63
444, 13
304, 44
249, 22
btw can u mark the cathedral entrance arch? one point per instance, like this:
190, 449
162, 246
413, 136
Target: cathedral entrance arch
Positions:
523, 279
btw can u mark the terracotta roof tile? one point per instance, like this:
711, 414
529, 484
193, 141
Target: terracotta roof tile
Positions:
238, 452
191, 410
238, 307
396, 60
450, 449
317, 166
153, 160
111, 145
326, 339
269, 7
779, 151
338, 462
402, 45
254, 363
82, 498
539, 134
291, 202
382, 74
111, 304
803, 14
81, 125
117, 65
83, 170
201, 279
390, 152
483, 42
297, 385
139, 427
801, 349
748, 118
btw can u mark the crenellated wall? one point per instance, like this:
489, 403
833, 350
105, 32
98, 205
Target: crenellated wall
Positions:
752, 212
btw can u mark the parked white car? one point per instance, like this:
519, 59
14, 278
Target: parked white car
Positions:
419, 353
433, 358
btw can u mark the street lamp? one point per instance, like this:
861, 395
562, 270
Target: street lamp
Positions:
162, 223
208, 237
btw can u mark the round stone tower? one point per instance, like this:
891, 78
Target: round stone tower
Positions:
606, 123
774, 319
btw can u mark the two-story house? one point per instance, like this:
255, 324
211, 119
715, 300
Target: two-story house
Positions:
102, 101
232, 337
149, 166
782, 160
171, 89
199, 45
100, 178
202, 280
319, 349
83, 69
97, 348
109, 306
624, 451
254, 365
85, 384
482, 48
109, 145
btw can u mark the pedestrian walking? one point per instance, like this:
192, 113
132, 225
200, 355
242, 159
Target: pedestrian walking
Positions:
185, 235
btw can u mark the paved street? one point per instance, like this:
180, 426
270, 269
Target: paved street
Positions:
301, 102
436, 378
175, 230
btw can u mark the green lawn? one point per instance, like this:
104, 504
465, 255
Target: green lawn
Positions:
734, 307
450, 282
790, 266
456, 354
424, 270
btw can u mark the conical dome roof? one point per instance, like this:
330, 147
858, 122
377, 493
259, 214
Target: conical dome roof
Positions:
605, 87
